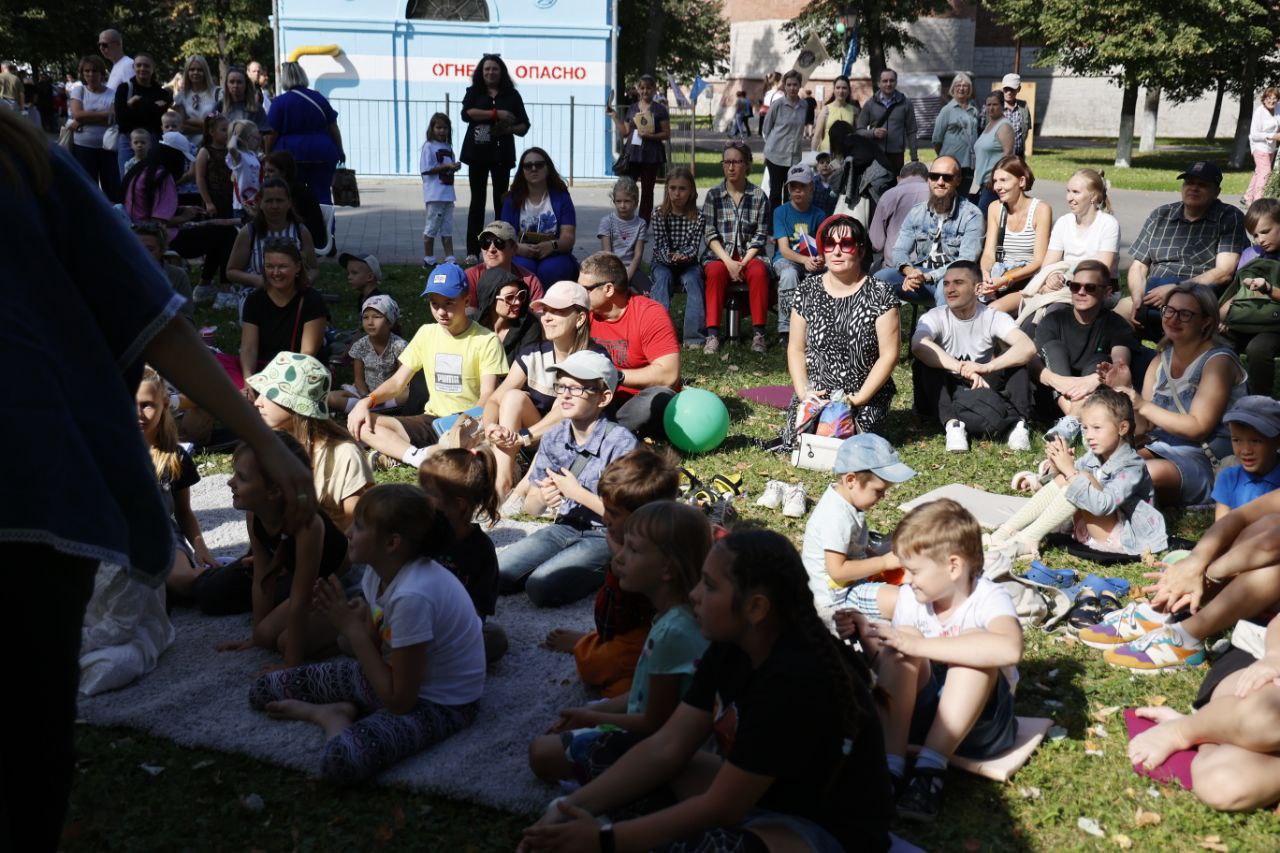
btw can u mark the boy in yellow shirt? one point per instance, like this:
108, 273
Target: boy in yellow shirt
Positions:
461, 360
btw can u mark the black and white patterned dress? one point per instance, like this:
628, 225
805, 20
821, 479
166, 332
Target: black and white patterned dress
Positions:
841, 346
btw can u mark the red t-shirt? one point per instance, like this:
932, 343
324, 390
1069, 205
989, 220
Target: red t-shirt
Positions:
641, 336
473, 283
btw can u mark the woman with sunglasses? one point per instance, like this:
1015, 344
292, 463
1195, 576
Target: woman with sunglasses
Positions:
1194, 379
541, 212
495, 115
844, 332
503, 306
1073, 343
199, 97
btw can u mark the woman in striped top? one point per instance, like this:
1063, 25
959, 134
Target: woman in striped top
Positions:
677, 239
1017, 235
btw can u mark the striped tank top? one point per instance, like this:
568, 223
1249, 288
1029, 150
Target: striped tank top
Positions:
1021, 245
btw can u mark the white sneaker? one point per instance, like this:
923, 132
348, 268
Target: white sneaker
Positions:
771, 498
957, 439
794, 501
1020, 437
1067, 428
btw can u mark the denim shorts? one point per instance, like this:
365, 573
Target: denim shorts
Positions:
993, 733
1194, 469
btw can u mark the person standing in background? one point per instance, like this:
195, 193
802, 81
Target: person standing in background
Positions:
889, 118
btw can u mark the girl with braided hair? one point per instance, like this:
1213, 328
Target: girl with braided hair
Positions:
800, 762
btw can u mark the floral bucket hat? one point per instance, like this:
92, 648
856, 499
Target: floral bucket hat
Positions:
295, 382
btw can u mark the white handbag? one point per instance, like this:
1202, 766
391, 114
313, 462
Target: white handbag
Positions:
816, 452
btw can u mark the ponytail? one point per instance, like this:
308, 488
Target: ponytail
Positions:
465, 475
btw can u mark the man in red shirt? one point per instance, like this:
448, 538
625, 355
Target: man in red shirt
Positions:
497, 248
641, 341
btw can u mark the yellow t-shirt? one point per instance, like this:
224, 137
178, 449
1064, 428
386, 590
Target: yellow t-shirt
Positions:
836, 113
453, 365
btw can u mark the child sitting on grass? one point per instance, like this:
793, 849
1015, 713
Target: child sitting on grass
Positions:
958, 642
462, 362
843, 570
419, 659
1254, 422
663, 549
565, 561
285, 567
374, 357
460, 484
1108, 493
606, 657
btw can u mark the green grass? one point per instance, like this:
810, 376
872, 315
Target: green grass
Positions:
1155, 170
196, 802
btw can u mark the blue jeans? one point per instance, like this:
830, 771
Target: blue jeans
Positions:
928, 294
556, 565
553, 268
789, 273
695, 306
100, 165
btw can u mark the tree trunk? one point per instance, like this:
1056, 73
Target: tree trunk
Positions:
1128, 106
1240, 156
1150, 117
1217, 111
653, 36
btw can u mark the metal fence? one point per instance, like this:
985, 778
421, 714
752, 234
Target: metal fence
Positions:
384, 137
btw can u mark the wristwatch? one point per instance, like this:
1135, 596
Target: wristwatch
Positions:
526, 437
607, 844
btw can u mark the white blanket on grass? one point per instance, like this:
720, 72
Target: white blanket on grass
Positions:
199, 697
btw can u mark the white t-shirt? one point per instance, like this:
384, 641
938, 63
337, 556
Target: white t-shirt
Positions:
90, 135
426, 603
987, 602
539, 218
623, 235
121, 73
835, 525
439, 186
1077, 244
246, 179
967, 340
197, 106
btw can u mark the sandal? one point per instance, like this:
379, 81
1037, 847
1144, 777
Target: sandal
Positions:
1087, 610
728, 486
1056, 578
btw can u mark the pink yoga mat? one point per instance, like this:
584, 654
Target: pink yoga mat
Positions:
1176, 768
778, 396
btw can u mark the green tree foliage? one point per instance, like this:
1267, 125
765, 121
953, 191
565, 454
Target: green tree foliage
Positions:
882, 27
684, 38
1181, 46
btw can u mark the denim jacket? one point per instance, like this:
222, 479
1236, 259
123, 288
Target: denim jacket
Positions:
1127, 491
962, 233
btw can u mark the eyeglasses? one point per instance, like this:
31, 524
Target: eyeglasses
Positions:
562, 390
732, 162
1088, 287
845, 244
515, 298
945, 177
534, 165
1184, 315
488, 241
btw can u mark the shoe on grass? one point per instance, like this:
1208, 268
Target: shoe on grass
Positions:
794, 501
922, 799
712, 346
957, 438
1162, 650
771, 497
1019, 437
1123, 626
758, 343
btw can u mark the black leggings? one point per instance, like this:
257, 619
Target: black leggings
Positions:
211, 242
777, 183
478, 176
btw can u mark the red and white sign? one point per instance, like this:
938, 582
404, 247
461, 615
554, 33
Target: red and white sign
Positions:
538, 72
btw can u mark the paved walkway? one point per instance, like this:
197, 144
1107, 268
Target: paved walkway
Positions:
389, 221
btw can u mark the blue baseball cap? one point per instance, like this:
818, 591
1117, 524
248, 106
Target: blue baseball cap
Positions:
869, 452
1258, 411
447, 280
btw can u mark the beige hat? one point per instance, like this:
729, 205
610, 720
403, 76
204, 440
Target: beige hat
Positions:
1011, 81
564, 294
501, 230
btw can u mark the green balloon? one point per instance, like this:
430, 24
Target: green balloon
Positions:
696, 420
840, 27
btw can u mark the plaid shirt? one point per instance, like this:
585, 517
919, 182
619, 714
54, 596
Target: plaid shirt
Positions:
674, 234
1173, 247
739, 228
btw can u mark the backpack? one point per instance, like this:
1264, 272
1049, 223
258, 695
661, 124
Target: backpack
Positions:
983, 411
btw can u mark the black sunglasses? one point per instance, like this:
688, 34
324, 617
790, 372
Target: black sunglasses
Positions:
591, 287
1088, 287
489, 241
945, 177
533, 165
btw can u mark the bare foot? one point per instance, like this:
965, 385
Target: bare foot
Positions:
1154, 746
333, 718
562, 640
1159, 713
